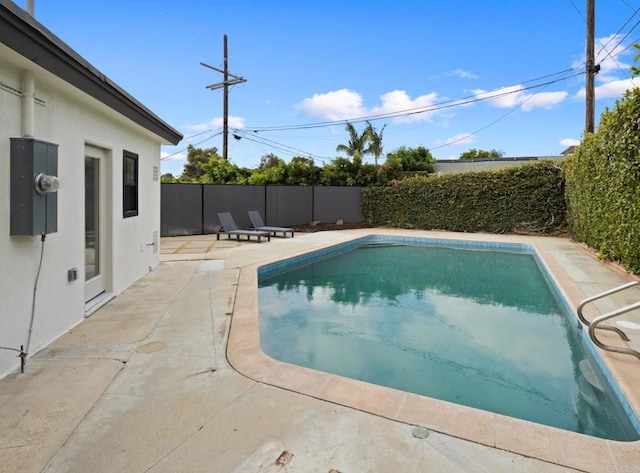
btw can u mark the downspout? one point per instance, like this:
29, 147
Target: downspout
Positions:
28, 104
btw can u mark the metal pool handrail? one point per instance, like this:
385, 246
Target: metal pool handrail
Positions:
600, 296
593, 325
596, 321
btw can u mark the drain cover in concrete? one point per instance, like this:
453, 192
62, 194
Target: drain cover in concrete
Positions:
420, 432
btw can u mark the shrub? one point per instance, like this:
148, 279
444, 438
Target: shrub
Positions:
528, 197
603, 185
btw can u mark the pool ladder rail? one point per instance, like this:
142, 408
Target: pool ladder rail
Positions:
595, 323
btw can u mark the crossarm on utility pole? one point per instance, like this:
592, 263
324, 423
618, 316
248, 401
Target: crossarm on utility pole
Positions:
226, 82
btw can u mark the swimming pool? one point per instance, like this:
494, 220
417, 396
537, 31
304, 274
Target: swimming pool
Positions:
490, 333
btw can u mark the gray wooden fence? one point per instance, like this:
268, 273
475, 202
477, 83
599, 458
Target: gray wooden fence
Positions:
190, 209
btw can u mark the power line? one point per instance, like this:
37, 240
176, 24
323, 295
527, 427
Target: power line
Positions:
261, 140
489, 124
610, 53
192, 144
579, 12
435, 107
442, 105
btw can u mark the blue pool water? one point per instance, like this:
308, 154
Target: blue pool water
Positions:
472, 325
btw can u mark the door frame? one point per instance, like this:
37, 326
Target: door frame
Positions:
98, 289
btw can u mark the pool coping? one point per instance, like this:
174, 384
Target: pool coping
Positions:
506, 433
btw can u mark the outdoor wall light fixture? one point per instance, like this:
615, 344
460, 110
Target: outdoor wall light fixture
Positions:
44, 183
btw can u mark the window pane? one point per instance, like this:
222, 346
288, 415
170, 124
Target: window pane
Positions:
130, 184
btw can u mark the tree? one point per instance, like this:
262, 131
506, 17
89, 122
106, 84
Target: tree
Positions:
413, 159
357, 142
375, 141
271, 170
269, 161
481, 154
196, 159
635, 70
341, 172
221, 171
167, 178
302, 171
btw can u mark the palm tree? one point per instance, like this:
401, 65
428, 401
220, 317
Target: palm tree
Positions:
375, 141
355, 148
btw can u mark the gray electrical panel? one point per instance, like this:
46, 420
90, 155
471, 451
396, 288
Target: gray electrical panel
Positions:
34, 182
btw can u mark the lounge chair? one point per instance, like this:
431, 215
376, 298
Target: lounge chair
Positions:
230, 228
258, 224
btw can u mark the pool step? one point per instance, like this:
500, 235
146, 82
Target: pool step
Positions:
587, 392
590, 375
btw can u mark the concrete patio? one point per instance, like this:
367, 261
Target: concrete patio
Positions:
144, 385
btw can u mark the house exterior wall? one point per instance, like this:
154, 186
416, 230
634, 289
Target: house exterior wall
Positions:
71, 119
452, 166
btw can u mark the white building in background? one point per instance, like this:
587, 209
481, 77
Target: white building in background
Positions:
59, 116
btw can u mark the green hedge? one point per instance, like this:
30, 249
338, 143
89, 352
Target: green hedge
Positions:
603, 185
528, 197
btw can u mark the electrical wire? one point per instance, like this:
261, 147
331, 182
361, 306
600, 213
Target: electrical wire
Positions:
276, 145
432, 108
23, 352
12, 349
624, 1
477, 98
609, 53
192, 144
467, 135
496, 93
33, 302
579, 12
260, 141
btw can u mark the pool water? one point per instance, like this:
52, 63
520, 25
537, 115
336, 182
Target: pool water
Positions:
480, 328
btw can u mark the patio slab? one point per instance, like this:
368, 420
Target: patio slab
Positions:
144, 385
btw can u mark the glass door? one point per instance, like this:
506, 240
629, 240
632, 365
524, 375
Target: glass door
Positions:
94, 189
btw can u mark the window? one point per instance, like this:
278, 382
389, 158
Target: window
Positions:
129, 184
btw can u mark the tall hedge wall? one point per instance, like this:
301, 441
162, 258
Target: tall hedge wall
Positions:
529, 197
603, 185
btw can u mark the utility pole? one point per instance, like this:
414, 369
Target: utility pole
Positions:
226, 82
592, 69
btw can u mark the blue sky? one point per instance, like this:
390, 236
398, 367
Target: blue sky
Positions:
317, 62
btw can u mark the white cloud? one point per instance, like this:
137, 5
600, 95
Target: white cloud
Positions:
234, 122
609, 52
460, 139
399, 100
515, 95
569, 142
612, 89
543, 100
462, 73
343, 104
173, 157
506, 97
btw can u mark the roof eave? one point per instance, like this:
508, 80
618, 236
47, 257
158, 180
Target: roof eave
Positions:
22, 33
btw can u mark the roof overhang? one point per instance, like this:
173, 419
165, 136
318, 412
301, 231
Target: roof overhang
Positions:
22, 33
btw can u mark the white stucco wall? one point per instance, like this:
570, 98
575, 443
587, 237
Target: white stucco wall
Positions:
457, 166
70, 119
